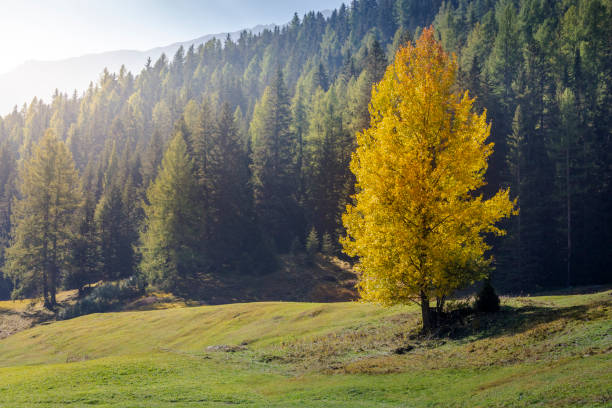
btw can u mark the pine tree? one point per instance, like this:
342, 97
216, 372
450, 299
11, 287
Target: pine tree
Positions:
505, 56
312, 242
7, 190
513, 263
43, 220
116, 234
231, 230
328, 150
85, 258
327, 245
152, 158
274, 168
201, 137
565, 151
375, 62
173, 254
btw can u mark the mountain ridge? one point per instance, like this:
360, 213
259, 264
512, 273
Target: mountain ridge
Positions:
40, 78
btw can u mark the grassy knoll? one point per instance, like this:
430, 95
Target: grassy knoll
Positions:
538, 351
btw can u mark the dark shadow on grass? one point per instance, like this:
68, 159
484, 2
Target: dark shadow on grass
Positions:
515, 320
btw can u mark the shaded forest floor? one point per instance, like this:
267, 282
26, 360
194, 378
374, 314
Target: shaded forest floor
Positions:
297, 278
553, 350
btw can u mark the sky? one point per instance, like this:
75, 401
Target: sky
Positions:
47, 30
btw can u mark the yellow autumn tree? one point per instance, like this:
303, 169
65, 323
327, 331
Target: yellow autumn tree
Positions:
417, 223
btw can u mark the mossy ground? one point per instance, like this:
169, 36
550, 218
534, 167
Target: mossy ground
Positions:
538, 351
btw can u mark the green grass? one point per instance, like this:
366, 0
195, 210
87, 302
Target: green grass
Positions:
539, 351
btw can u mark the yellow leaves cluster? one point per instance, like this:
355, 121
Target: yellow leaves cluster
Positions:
417, 223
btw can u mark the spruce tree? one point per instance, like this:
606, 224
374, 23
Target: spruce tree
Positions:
43, 220
152, 158
312, 242
231, 228
274, 168
173, 254
85, 258
116, 234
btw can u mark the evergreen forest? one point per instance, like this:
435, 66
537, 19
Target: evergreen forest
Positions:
221, 158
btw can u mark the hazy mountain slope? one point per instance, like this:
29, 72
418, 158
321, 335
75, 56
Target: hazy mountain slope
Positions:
41, 78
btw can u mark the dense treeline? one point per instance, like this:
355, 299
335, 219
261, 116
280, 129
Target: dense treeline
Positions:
543, 69
232, 152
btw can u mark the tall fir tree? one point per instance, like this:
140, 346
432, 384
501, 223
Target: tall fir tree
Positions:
85, 257
116, 236
173, 253
49, 195
274, 168
231, 231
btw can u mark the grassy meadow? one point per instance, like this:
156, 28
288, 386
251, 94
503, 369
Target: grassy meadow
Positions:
538, 351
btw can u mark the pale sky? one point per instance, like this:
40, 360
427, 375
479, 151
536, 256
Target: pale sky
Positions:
59, 29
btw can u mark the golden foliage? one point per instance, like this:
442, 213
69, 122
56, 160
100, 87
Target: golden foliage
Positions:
418, 222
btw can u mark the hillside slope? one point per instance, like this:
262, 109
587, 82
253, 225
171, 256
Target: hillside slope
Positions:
538, 351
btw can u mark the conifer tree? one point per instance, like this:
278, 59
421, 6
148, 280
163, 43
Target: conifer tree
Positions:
565, 151
85, 258
43, 220
328, 149
516, 163
505, 56
274, 168
7, 175
7, 190
231, 228
152, 158
312, 242
201, 138
327, 244
116, 237
173, 254
375, 61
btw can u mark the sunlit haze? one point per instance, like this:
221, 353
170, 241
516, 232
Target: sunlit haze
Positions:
53, 30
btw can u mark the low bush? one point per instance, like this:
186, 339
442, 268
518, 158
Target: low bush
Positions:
487, 300
103, 298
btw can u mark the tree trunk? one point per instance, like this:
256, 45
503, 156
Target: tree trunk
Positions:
47, 304
53, 287
440, 306
425, 312
45, 274
569, 214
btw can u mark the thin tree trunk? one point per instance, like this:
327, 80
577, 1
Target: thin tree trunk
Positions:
425, 313
569, 214
45, 273
45, 288
518, 253
53, 286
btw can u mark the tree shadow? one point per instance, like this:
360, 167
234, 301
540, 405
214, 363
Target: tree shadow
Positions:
511, 320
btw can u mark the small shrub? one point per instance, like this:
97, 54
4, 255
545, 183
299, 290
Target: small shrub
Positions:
102, 298
106, 292
487, 300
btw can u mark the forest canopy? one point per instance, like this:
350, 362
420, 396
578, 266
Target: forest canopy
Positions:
277, 114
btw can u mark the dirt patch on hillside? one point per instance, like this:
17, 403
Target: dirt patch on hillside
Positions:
19, 315
16, 320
